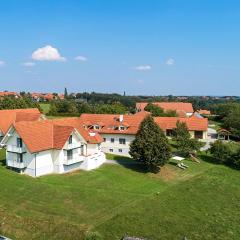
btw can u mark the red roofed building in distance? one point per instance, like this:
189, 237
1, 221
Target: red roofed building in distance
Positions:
39, 97
6, 93
204, 112
181, 108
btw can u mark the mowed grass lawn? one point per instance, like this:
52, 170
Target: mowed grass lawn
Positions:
199, 203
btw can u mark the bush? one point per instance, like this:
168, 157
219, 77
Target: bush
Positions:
93, 236
226, 153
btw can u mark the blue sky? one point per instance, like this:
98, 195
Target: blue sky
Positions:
152, 47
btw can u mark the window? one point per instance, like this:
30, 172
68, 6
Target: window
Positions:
19, 142
82, 150
120, 150
122, 141
19, 157
69, 154
169, 132
110, 150
112, 140
70, 140
97, 127
121, 128
104, 139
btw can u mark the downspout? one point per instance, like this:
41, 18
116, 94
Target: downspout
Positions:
35, 156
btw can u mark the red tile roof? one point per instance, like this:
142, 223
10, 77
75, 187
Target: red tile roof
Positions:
9, 94
132, 122
204, 112
109, 122
142, 113
8, 117
76, 123
177, 106
52, 134
193, 123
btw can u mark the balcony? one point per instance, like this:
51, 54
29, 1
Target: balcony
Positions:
16, 164
16, 149
72, 146
73, 160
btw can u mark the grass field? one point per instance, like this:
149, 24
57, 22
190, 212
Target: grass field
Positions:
199, 203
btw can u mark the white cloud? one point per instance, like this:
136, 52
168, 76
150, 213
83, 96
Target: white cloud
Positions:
47, 53
28, 64
2, 63
143, 68
170, 62
81, 58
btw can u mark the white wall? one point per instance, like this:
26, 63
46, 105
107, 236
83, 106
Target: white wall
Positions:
107, 145
52, 161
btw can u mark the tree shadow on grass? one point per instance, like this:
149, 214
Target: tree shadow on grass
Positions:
3, 162
129, 163
208, 159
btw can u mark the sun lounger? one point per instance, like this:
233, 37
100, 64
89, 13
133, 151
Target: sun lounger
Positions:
184, 165
180, 166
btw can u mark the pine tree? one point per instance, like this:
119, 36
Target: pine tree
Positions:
150, 146
65, 93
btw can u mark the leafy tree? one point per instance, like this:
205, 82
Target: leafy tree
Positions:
150, 146
170, 113
10, 102
232, 121
185, 144
155, 110
226, 153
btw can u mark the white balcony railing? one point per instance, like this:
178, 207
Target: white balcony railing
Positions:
16, 149
74, 159
72, 146
16, 164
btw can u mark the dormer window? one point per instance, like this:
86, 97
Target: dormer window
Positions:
121, 128
97, 127
70, 140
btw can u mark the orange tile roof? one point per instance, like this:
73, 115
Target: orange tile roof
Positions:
193, 123
204, 112
51, 134
108, 122
76, 123
133, 122
142, 113
9, 94
10, 116
177, 106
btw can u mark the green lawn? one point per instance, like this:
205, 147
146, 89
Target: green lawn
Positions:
199, 203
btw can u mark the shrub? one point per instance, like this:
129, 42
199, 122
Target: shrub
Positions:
226, 153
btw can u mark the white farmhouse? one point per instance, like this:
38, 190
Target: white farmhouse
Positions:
118, 131
43, 147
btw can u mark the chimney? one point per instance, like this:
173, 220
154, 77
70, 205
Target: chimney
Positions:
92, 134
121, 118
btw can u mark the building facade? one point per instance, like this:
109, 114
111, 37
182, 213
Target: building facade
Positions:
40, 148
